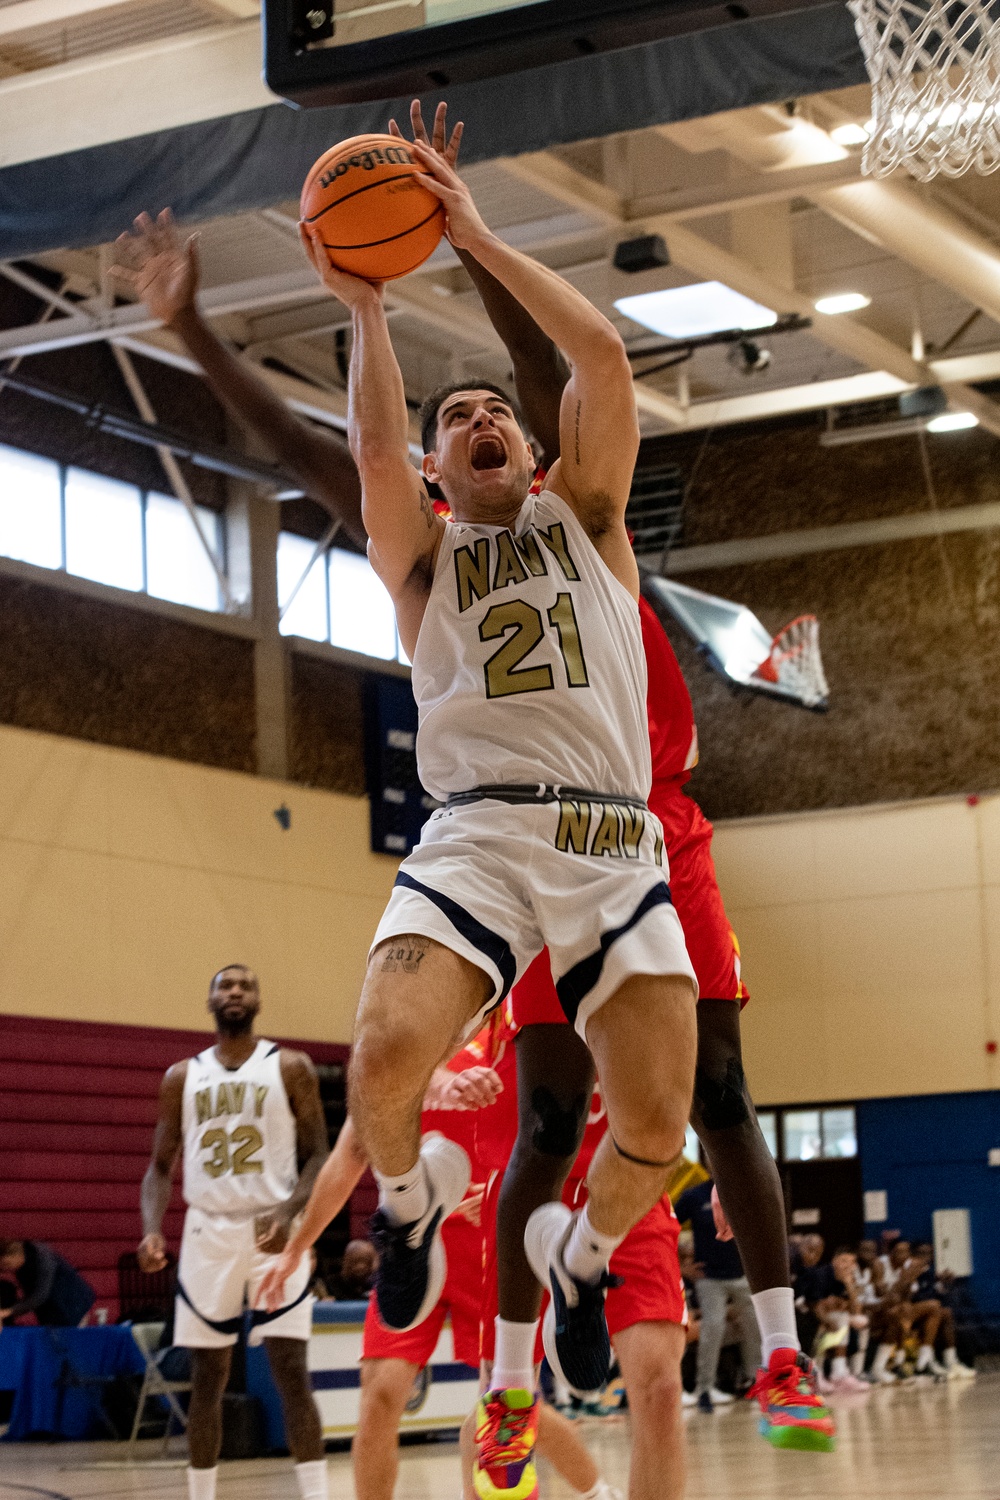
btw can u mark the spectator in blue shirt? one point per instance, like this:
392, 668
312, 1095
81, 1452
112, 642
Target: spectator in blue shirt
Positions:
721, 1284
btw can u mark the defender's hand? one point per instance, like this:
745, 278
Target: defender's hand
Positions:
465, 226
271, 1232
473, 1088
353, 291
152, 1253
445, 145
271, 1293
163, 271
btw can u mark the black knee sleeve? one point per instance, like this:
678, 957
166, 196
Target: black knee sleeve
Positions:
722, 1101
557, 1131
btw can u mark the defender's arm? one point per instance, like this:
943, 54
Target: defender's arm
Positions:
165, 273
156, 1184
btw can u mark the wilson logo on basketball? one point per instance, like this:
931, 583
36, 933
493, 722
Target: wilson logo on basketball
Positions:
392, 156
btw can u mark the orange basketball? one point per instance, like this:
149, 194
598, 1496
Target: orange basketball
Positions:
377, 220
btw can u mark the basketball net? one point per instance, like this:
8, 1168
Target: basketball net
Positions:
794, 664
935, 75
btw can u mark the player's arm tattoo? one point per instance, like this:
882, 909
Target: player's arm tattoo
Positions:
427, 508
405, 953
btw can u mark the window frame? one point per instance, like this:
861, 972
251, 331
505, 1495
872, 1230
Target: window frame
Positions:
779, 1111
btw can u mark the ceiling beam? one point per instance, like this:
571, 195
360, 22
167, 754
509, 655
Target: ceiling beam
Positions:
113, 96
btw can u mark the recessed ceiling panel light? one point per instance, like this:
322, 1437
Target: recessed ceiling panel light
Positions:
843, 302
688, 312
952, 421
851, 134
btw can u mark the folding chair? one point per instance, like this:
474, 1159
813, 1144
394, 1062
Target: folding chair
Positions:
72, 1378
154, 1384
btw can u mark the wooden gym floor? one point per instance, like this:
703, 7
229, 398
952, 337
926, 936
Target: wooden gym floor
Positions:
912, 1443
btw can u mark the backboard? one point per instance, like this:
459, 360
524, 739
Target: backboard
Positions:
322, 52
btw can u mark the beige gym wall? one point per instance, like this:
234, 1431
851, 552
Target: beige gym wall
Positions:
871, 937
871, 945
126, 880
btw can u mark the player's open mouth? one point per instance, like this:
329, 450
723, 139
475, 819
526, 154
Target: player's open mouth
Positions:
488, 452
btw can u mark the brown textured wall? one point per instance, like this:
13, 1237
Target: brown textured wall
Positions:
908, 630
326, 734
120, 676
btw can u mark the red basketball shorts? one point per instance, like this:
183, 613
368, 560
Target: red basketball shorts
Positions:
694, 890
461, 1299
651, 1292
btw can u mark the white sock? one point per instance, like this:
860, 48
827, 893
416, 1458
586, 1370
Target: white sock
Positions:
883, 1354
588, 1252
950, 1358
775, 1311
514, 1357
839, 1368
924, 1356
601, 1491
311, 1477
858, 1363
201, 1483
404, 1199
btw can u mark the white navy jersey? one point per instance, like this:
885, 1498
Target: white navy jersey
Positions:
240, 1140
529, 664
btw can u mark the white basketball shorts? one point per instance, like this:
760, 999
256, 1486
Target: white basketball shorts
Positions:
219, 1272
497, 882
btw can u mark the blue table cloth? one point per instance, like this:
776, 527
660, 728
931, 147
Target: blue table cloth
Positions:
30, 1361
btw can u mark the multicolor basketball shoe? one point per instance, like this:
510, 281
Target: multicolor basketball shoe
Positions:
506, 1428
793, 1414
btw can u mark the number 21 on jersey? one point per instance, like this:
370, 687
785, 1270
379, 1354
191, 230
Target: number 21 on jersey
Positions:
503, 672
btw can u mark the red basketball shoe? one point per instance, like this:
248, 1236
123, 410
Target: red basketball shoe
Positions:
793, 1414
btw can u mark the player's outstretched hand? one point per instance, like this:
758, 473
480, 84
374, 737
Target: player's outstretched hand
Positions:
445, 145
161, 268
464, 224
473, 1088
152, 1253
353, 291
271, 1293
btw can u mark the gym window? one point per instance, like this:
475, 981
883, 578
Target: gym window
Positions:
815, 1133
336, 598
78, 522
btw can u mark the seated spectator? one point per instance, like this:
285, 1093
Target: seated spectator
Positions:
811, 1282
356, 1277
842, 1325
58, 1295
928, 1298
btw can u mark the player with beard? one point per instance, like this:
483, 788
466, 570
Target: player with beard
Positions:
246, 1117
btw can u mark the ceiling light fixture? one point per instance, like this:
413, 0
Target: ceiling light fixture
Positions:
843, 302
686, 312
952, 421
851, 134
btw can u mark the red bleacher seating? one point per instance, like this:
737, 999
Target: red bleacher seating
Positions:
77, 1109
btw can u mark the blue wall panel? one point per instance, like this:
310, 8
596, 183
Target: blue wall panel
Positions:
930, 1151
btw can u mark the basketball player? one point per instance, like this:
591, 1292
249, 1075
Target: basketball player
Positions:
461, 1098
247, 1117
553, 1107
530, 683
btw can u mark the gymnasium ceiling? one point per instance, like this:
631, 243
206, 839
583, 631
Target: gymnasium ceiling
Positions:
762, 199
